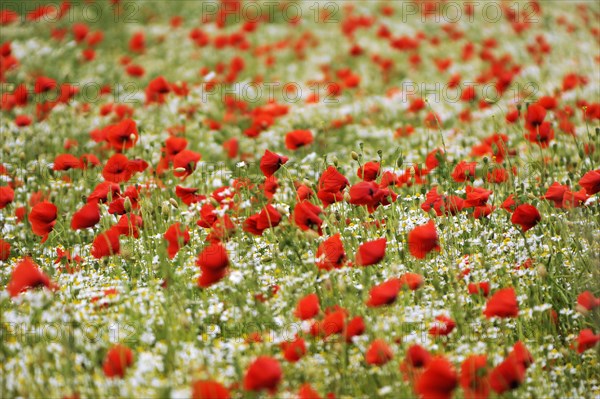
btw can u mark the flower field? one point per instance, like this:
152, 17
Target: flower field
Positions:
286, 199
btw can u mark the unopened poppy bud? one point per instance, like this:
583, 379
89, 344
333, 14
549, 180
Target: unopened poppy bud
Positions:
132, 136
581, 309
347, 196
354, 155
214, 202
180, 170
21, 156
380, 153
335, 160
400, 161
125, 252
598, 131
165, 207
282, 209
311, 234
174, 203
541, 269
486, 160
127, 204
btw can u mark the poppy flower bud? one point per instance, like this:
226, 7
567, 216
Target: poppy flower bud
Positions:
21, 156
400, 161
282, 209
335, 160
180, 169
127, 204
354, 155
598, 131
165, 207
541, 269
214, 202
310, 233
174, 203
581, 309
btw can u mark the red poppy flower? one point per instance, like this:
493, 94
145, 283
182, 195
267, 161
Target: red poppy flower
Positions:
432, 159
333, 323
87, 216
371, 252
106, 244
307, 392
66, 162
587, 340
117, 360
422, 240
442, 326
213, 262
369, 171
574, 199
482, 288
188, 195
520, 353
258, 223
135, 70
306, 216
438, 380
541, 135
271, 162
535, 116
555, 193
586, 301
206, 389
4, 250
414, 363
379, 353
294, 350
137, 43
331, 254
7, 195
497, 175
264, 373
476, 196
208, 217
27, 275
355, 327
307, 307
442, 204
104, 190
184, 163
298, 138
211, 276
231, 146
507, 376
509, 204
117, 169
43, 218
502, 304
464, 171
213, 257
412, 281
591, 182
330, 186
384, 293
371, 195
474, 377
177, 237
44, 84
123, 135
526, 216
